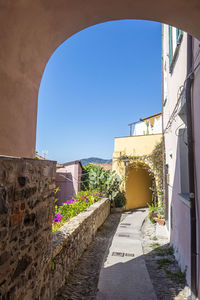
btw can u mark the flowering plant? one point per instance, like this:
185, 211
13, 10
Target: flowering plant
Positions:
73, 207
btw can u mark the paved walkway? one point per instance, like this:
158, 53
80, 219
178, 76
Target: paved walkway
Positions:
124, 275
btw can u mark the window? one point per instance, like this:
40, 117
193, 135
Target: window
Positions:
183, 154
175, 38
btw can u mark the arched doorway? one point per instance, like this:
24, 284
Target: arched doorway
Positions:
138, 187
32, 30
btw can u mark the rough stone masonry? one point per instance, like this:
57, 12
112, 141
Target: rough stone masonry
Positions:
26, 212
34, 263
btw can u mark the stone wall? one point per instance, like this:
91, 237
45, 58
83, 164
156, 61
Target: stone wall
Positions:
26, 211
34, 263
70, 242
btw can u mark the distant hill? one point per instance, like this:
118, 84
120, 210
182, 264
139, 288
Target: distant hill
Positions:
97, 160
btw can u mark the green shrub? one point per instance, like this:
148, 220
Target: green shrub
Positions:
153, 208
95, 178
120, 199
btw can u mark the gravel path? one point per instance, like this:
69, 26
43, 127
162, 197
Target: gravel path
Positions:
83, 282
168, 280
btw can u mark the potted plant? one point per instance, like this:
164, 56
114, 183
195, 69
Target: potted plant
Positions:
160, 216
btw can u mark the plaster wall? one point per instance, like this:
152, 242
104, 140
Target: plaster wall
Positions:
136, 145
178, 204
68, 180
30, 33
156, 128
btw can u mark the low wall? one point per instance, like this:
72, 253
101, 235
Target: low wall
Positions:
70, 242
34, 263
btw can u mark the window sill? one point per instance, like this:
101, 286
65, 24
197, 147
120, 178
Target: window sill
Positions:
185, 198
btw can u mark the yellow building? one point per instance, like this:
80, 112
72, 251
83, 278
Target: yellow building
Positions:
138, 175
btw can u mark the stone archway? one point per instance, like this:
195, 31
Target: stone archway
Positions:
32, 30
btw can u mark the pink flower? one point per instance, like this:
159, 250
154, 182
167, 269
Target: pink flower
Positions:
57, 218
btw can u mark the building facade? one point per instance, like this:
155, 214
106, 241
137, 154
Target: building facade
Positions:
68, 180
175, 137
181, 109
131, 160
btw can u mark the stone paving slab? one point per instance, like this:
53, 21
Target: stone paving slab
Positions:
123, 277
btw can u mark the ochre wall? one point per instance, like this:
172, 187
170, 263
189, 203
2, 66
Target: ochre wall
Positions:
138, 184
133, 145
138, 180
137, 145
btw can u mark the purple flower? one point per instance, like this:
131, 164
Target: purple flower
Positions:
76, 211
70, 202
57, 218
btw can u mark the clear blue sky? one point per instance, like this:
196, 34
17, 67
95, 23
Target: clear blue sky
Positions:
94, 84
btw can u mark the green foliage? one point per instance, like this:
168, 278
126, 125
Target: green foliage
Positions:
120, 199
157, 162
163, 262
52, 264
55, 192
153, 208
164, 251
95, 178
73, 207
155, 245
178, 277
156, 208
147, 124
160, 212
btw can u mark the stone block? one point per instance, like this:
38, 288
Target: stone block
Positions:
17, 219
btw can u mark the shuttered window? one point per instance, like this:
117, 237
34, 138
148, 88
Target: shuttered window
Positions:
170, 46
179, 34
175, 37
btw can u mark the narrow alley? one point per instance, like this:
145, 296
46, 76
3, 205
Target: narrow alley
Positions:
130, 258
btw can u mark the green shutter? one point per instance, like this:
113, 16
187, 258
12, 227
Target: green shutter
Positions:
170, 46
179, 34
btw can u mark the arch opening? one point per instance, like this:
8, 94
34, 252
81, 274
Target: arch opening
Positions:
139, 185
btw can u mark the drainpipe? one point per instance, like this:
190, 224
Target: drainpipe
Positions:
163, 136
191, 170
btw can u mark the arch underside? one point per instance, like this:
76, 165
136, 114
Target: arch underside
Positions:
32, 30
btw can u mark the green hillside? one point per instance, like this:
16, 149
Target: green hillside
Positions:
97, 160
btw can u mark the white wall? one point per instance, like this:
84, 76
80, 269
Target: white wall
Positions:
141, 128
175, 142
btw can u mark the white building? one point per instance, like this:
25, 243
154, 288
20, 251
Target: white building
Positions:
149, 125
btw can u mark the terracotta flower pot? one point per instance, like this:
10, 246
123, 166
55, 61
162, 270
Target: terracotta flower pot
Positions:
160, 221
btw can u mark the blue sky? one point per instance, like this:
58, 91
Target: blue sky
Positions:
94, 84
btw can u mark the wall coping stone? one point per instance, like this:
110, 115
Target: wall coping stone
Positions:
25, 159
61, 236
